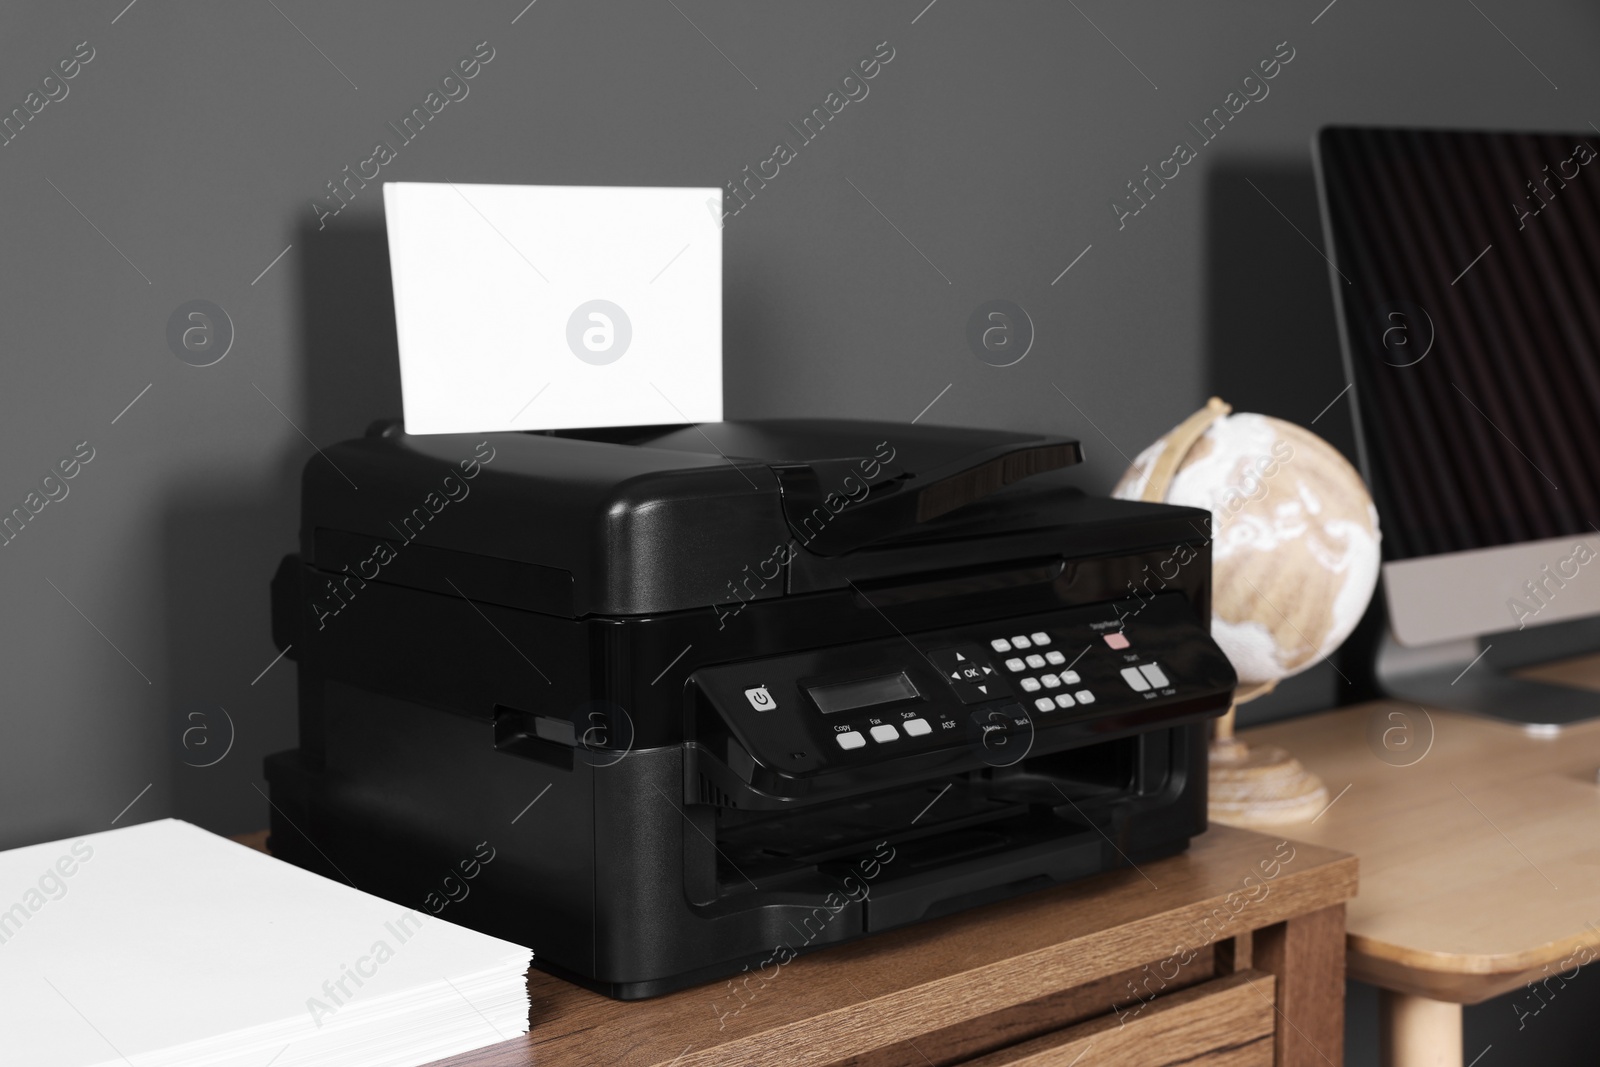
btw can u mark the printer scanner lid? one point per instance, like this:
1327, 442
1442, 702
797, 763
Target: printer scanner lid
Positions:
648, 519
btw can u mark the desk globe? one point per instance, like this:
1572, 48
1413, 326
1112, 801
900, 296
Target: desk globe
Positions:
1294, 564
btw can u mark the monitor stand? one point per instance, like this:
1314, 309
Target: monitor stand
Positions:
1454, 677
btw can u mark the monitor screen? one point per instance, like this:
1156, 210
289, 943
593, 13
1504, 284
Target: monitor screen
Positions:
1468, 272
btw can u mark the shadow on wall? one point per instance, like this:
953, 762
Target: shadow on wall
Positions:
1272, 342
349, 359
754, 337
222, 543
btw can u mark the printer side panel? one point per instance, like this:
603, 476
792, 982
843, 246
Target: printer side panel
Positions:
421, 755
418, 807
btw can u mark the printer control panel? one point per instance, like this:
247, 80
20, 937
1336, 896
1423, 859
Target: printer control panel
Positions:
992, 690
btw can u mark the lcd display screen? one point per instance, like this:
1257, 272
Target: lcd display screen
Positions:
848, 696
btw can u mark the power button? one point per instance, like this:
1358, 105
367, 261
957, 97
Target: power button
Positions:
760, 699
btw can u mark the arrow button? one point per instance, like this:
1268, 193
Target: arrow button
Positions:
969, 673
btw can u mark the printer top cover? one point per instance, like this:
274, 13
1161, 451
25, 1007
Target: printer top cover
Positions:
646, 520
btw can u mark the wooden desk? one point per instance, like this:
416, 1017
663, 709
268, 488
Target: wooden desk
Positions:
1032, 982
1480, 862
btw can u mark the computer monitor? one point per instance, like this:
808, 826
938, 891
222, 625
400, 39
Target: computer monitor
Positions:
1466, 275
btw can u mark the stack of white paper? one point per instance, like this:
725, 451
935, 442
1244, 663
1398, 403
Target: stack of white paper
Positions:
163, 945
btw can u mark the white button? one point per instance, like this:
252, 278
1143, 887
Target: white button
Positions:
1045, 704
1055, 658
1134, 679
1040, 637
1030, 685
885, 733
1036, 661
1153, 672
1021, 642
1063, 700
917, 727
1050, 681
1084, 696
760, 699
1070, 678
850, 740
1014, 664
1000, 644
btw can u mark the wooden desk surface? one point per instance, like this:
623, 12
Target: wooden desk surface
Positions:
1480, 862
989, 962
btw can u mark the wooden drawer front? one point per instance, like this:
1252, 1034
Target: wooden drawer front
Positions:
1223, 1023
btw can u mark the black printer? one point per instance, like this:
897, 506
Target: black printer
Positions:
669, 704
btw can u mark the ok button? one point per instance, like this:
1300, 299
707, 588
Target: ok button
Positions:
760, 699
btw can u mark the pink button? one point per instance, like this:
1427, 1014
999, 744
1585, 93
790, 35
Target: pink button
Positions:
1117, 640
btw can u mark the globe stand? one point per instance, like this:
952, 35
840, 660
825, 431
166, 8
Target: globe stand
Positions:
1257, 787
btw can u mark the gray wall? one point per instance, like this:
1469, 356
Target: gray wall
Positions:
193, 144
